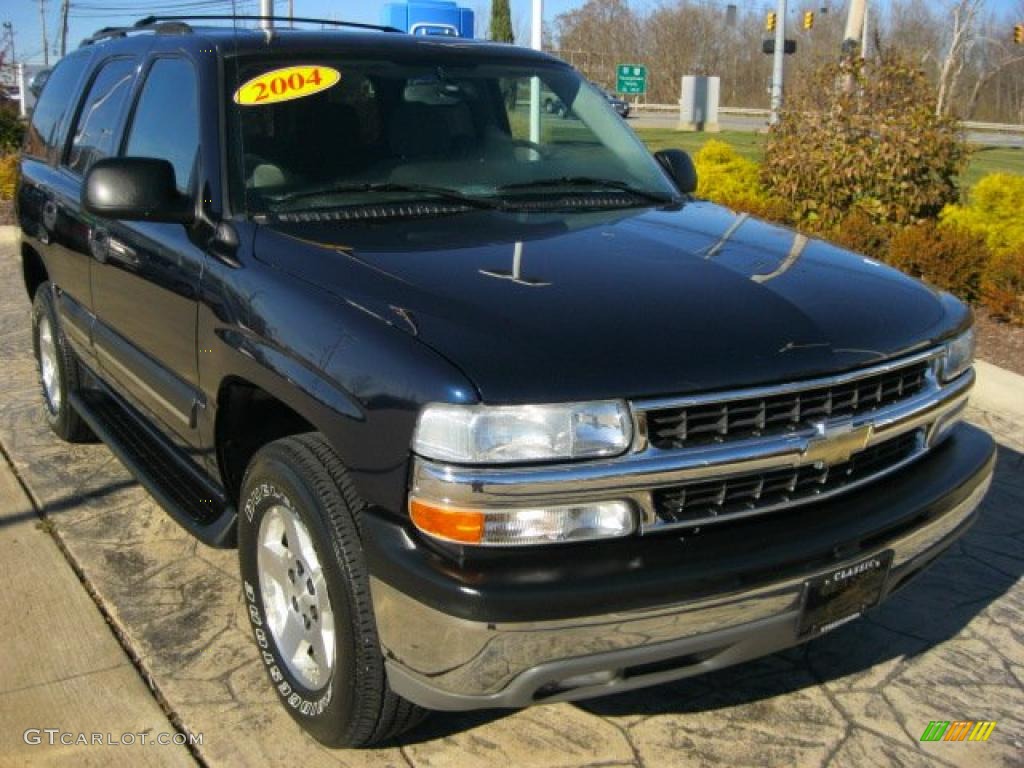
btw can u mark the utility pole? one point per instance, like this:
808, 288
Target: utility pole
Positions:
865, 37
64, 27
266, 11
855, 22
8, 45
779, 61
537, 43
42, 24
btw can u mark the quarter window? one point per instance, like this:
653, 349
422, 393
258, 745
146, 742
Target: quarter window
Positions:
48, 114
166, 122
95, 131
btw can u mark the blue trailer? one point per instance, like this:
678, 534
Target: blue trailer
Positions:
429, 17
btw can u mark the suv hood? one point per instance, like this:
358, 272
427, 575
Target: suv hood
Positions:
636, 303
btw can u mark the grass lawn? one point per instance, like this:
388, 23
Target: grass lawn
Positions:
984, 161
748, 144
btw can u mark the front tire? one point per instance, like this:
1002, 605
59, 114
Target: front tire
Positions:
59, 373
307, 589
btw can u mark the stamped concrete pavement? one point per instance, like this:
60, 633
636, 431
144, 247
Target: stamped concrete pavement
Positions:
949, 647
61, 668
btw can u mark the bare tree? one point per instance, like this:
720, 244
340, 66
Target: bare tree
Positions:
997, 56
963, 35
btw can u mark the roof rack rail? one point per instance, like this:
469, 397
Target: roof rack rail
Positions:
288, 19
178, 25
160, 28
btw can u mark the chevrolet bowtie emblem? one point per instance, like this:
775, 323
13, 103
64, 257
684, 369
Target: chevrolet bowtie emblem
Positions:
836, 443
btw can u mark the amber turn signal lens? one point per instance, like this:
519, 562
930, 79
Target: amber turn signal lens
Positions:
465, 526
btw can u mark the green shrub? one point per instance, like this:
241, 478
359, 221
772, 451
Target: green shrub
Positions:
864, 136
1002, 286
995, 211
8, 175
950, 258
12, 130
727, 178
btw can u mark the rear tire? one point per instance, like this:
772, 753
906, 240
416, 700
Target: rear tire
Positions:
299, 520
59, 371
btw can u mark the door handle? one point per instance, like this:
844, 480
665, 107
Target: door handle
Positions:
119, 251
99, 244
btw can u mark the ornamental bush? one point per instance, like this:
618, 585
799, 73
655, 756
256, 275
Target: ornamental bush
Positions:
858, 232
1002, 286
864, 136
8, 175
994, 211
726, 177
950, 258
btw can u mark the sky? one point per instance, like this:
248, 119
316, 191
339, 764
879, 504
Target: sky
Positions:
89, 15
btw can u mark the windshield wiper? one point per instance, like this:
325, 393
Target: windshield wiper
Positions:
444, 193
587, 181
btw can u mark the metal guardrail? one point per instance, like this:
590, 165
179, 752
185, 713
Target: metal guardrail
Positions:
993, 127
970, 125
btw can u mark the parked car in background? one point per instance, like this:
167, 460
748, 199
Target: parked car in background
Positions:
618, 103
554, 105
495, 416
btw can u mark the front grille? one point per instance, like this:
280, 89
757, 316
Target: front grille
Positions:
717, 422
743, 494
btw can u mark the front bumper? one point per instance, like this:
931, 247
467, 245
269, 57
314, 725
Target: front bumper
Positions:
515, 631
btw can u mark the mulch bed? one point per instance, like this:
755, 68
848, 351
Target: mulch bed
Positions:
999, 343
6, 212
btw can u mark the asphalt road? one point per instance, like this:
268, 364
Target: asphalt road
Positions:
948, 647
752, 124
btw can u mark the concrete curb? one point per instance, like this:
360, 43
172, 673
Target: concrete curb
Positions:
9, 234
999, 391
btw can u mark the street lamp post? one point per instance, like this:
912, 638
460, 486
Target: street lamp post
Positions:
537, 43
779, 61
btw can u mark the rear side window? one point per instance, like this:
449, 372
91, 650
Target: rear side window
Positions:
94, 136
57, 97
166, 122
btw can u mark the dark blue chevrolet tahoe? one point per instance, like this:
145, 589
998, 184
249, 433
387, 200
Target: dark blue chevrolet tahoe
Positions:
494, 410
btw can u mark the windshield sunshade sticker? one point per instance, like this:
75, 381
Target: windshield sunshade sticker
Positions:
286, 84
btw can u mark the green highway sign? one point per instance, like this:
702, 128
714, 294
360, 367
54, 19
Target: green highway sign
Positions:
631, 78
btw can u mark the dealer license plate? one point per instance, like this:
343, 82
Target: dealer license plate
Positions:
841, 595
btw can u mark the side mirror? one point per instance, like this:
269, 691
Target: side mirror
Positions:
680, 168
135, 189
35, 85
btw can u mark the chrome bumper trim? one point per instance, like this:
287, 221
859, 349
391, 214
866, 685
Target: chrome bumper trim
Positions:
449, 663
634, 475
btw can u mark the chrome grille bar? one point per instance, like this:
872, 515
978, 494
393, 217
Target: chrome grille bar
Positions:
689, 425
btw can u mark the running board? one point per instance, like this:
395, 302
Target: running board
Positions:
191, 499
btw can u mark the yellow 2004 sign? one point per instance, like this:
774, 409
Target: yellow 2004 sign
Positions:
286, 84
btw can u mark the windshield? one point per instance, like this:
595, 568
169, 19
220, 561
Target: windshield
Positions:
329, 132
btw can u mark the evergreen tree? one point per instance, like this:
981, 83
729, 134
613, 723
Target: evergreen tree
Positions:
501, 22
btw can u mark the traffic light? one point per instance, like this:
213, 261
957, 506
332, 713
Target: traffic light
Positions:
769, 22
808, 19
1018, 34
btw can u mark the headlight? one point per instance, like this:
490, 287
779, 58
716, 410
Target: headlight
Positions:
523, 526
484, 434
958, 357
